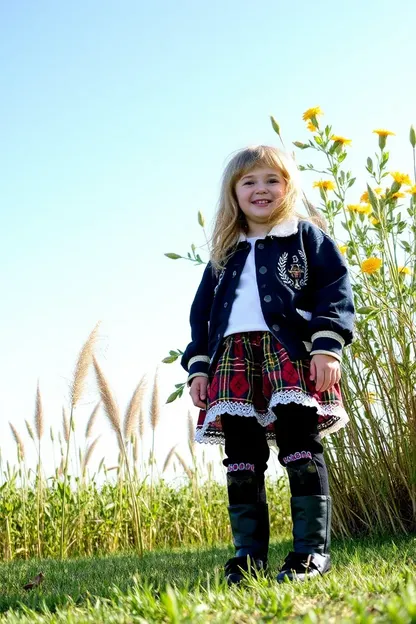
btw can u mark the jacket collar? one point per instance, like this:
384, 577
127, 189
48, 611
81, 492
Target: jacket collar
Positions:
285, 228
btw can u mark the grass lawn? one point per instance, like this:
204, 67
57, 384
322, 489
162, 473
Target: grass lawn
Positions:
372, 581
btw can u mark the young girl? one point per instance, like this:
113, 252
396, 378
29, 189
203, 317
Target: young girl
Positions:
269, 321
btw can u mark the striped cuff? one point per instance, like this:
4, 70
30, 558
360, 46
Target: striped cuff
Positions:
188, 381
327, 342
331, 353
198, 365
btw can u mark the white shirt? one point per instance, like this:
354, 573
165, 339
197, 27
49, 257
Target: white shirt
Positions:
246, 313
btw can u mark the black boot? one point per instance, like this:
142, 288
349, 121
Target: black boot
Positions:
250, 529
311, 517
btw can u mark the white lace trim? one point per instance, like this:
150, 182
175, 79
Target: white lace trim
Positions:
287, 396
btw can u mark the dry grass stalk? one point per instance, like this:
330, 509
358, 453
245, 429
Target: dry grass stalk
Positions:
141, 422
191, 434
154, 404
184, 465
65, 425
19, 443
133, 408
110, 406
91, 420
88, 454
82, 366
135, 449
30, 430
169, 457
39, 424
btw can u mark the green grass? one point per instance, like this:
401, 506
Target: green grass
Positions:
372, 581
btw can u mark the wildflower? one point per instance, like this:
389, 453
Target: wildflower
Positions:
374, 221
340, 139
353, 207
312, 112
412, 190
401, 178
382, 137
364, 209
399, 195
327, 185
404, 270
371, 397
311, 127
343, 249
384, 133
365, 197
371, 265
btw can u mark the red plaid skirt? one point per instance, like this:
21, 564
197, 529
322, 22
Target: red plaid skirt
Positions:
254, 374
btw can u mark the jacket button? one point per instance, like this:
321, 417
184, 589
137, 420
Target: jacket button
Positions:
267, 298
260, 246
219, 336
225, 304
234, 273
275, 328
263, 270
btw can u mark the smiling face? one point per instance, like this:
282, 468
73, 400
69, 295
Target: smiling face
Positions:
259, 192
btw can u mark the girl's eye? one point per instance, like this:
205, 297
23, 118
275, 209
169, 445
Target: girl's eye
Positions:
248, 182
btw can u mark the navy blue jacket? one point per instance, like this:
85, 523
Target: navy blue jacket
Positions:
304, 289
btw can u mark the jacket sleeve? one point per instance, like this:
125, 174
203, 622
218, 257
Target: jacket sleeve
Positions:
332, 323
195, 359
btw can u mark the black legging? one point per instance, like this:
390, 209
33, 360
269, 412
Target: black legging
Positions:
300, 451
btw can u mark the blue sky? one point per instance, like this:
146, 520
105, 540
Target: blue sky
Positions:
116, 121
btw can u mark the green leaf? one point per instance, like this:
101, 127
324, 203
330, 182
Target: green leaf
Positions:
412, 137
170, 359
201, 219
172, 397
300, 145
369, 165
173, 256
366, 310
275, 125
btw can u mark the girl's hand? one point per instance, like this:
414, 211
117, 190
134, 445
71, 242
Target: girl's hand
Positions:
198, 391
325, 370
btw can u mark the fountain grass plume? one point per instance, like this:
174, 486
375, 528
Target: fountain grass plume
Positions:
133, 408
82, 366
91, 420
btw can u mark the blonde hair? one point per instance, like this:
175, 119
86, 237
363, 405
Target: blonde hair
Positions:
230, 219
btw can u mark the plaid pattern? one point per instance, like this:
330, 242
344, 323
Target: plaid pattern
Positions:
254, 374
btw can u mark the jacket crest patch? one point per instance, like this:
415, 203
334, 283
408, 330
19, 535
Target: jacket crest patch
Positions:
297, 274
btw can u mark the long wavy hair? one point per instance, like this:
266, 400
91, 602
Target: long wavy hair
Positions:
230, 220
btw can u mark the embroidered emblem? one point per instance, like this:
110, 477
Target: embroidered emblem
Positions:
240, 466
298, 270
297, 455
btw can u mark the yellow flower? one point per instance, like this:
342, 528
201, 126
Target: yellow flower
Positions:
384, 133
311, 127
364, 209
404, 270
365, 197
401, 178
399, 195
374, 221
371, 397
412, 190
343, 249
327, 185
340, 139
371, 265
312, 112
353, 207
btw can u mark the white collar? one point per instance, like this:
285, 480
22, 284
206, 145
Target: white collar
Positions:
285, 228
